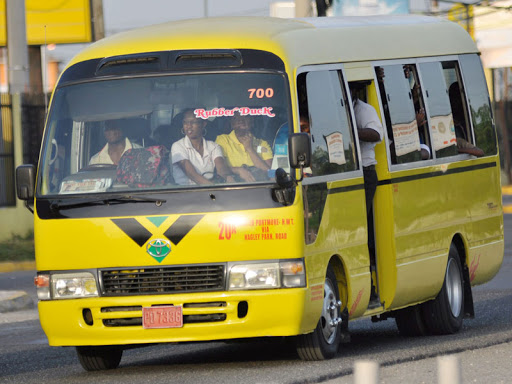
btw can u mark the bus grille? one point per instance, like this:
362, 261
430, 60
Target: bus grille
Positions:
162, 280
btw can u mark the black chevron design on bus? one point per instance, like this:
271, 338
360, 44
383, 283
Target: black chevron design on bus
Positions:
179, 229
134, 230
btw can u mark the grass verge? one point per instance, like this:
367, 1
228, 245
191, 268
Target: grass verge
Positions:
18, 248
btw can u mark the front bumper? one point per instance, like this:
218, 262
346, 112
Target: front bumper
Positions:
207, 316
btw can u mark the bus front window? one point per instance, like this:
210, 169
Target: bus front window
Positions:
165, 132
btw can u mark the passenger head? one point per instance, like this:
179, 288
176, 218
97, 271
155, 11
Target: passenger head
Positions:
193, 126
113, 132
241, 123
304, 123
358, 88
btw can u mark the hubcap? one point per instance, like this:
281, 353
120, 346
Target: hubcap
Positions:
330, 319
454, 287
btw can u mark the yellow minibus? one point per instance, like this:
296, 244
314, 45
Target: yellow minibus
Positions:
176, 198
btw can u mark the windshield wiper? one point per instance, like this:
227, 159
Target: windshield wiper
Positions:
106, 200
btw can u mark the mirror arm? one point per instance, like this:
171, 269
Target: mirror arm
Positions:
27, 205
301, 165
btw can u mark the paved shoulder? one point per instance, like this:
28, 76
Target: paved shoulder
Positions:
15, 301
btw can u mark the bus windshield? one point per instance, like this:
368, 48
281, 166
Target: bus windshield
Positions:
165, 132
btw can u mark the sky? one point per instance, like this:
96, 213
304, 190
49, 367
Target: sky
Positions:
123, 15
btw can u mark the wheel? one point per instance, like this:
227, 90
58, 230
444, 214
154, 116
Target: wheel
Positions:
444, 314
323, 342
409, 321
99, 358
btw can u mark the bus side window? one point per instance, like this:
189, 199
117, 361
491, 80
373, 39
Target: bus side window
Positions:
412, 76
479, 103
439, 108
458, 103
400, 115
332, 135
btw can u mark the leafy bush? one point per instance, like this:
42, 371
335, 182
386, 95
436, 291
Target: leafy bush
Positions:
18, 248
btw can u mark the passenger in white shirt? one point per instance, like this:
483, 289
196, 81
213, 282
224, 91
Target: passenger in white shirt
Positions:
194, 159
117, 144
370, 132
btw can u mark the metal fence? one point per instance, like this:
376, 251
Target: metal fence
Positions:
7, 197
32, 122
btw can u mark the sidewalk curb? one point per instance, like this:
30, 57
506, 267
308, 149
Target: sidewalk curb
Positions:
11, 301
506, 190
17, 266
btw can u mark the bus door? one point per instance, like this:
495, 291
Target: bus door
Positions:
334, 197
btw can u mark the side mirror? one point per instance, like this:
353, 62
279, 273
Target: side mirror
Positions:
299, 149
25, 182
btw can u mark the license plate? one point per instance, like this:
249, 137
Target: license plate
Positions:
162, 317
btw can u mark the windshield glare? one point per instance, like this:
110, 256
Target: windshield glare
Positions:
165, 132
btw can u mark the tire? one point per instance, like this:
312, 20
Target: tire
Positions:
409, 321
444, 314
99, 358
324, 341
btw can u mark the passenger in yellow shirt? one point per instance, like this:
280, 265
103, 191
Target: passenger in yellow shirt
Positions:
249, 157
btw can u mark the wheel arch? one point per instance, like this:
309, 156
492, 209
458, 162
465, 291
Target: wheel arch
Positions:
339, 268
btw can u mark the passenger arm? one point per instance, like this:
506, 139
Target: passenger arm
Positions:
223, 169
191, 172
368, 134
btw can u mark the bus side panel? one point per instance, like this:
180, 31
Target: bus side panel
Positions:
428, 212
343, 232
485, 241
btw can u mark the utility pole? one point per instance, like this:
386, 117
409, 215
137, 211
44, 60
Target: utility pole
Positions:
98, 24
302, 8
18, 73
17, 47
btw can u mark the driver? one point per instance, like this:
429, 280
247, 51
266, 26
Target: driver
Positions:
117, 144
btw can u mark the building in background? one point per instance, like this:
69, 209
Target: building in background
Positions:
51, 71
23, 109
491, 27
370, 7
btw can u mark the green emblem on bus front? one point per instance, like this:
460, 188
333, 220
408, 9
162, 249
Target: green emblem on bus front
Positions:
158, 249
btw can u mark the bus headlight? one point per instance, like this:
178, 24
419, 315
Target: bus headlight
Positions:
73, 285
268, 275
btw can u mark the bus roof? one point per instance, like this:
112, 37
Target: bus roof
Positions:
298, 41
